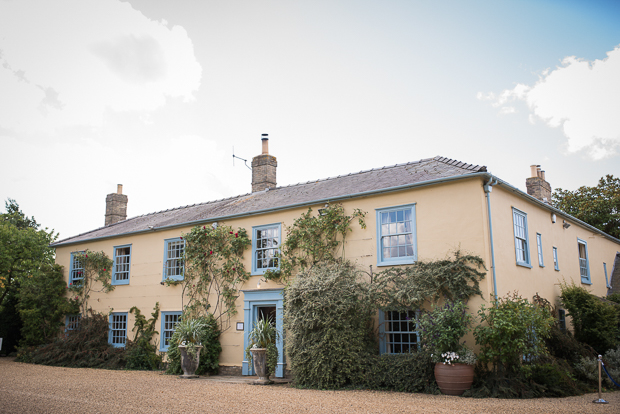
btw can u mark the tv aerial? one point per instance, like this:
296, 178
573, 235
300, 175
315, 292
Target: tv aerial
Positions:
245, 161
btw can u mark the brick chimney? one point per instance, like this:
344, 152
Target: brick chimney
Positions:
115, 206
537, 186
264, 168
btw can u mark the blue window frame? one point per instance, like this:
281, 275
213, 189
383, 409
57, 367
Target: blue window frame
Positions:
396, 235
122, 265
562, 319
556, 264
398, 332
72, 322
76, 269
266, 248
174, 267
522, 247
541, 262
169, 321
117, 334
584, 265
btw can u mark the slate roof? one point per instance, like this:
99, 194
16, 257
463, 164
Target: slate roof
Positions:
292, 195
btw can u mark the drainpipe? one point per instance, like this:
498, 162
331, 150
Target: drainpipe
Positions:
488, 187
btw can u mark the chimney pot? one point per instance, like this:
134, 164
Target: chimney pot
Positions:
534, 170
265, 141
119, 189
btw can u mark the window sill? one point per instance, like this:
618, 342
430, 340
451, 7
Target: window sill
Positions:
529, 266
586, 282
396, 262
173, 278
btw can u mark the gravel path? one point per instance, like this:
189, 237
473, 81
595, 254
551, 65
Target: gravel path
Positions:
26, 388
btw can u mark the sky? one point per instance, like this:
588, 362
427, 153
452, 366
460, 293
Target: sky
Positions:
156, 95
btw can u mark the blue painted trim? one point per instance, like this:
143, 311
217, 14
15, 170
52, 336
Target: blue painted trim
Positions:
71, 278
556, 258
539, 250
166, 244
382, 334
162, 347
252, 300
528, 259
256, 271
67, 320
396, 261
110, 328
588, 280
121, 282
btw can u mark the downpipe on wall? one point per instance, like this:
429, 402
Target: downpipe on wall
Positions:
488, 187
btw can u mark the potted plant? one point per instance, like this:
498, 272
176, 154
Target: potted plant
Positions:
262, 351
442, 329
187, 333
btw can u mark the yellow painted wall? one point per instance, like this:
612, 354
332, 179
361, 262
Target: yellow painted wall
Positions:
448, 217
545, 280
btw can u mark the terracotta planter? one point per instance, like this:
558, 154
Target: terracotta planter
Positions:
189, 365
454, 379
259, 360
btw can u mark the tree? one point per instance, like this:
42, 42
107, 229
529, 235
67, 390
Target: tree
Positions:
24, 248
43, 305
598, 206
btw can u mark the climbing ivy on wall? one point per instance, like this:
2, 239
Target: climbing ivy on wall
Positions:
408, 287
313, 239
213, 270
96, 277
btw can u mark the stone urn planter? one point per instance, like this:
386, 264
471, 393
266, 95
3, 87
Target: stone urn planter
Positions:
259, 360
189, 364
454, 379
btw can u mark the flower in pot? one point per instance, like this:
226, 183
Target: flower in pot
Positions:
187, 333
262, 352
442, 329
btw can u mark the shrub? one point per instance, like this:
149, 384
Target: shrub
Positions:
85, 347
328, 326
442, 329
141, 353
209, 355
411, 372
514, 328
595, 322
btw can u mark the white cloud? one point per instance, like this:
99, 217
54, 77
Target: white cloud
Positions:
581, 97
65, 62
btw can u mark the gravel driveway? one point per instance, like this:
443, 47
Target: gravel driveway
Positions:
26, 388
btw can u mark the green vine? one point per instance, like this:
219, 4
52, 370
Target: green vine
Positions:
213, 267
408, 287
313, 239
96, 269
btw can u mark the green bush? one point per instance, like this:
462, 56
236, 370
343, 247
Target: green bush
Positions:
510, 329
85, 347
141, 353
328, 326
411, 372
209, 355
442, 329
594, 321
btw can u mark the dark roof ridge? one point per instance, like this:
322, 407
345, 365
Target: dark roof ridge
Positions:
460, 164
